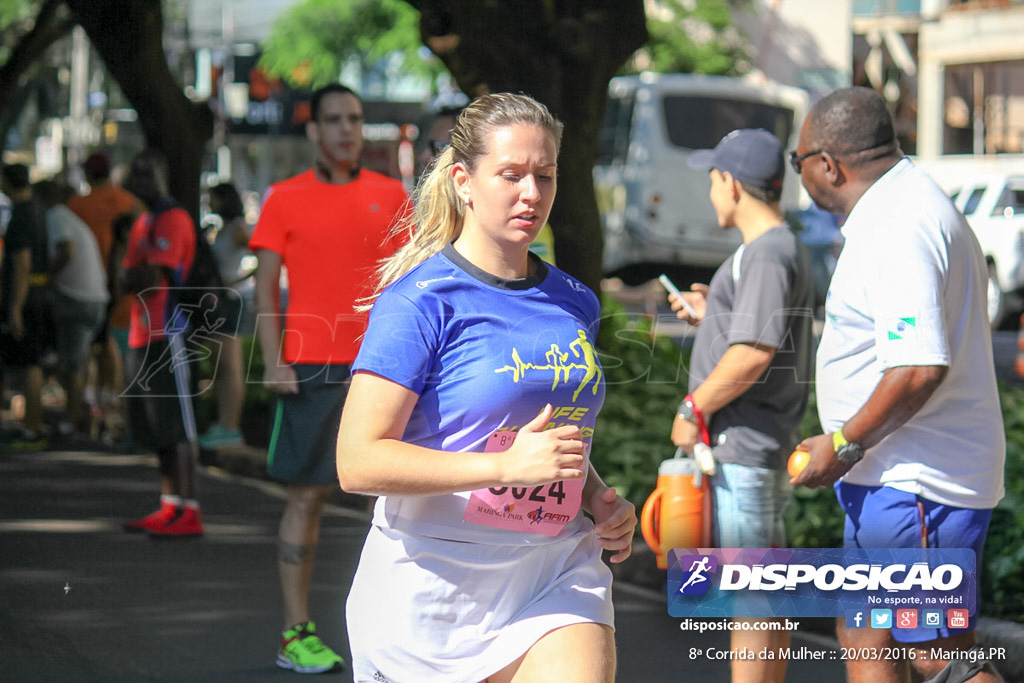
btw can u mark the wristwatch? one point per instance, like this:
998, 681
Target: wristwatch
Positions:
847, 452
686, 411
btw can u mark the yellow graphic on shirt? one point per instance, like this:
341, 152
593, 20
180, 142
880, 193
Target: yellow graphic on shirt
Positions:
559, 364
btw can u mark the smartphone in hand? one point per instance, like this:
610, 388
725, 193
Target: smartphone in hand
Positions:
672, 289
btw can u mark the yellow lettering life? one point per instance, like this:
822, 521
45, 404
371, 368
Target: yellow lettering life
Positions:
559, 412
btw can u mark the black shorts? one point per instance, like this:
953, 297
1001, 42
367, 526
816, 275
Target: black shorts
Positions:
160, 388
40, 332
304, 432
229, 306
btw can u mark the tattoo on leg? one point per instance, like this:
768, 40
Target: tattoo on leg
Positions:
291, 553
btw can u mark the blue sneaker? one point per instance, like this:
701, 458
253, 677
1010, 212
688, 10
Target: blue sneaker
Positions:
216, 437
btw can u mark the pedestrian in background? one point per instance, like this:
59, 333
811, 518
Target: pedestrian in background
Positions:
906, 387
750, 372
160, 378
100, 208
230, 247
80, 296
475, 346
819, 231
330, 227
26, 322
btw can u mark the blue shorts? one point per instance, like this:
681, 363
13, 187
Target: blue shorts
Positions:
884, 517
749, 503
305, 428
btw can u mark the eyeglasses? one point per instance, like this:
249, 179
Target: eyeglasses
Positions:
436, 146
797, 162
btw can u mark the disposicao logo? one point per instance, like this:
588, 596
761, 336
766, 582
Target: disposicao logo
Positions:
826, 582
697, 580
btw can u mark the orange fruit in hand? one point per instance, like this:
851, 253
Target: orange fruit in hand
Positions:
797, 462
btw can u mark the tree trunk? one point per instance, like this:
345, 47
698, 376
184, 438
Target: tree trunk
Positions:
562, 52
128, 35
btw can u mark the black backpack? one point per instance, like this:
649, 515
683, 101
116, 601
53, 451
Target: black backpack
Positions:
204, 278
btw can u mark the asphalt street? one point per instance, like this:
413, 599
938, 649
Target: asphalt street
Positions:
82, 602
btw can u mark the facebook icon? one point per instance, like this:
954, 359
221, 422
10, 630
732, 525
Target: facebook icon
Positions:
855, 620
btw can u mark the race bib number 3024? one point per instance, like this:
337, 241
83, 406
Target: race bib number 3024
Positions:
542, 509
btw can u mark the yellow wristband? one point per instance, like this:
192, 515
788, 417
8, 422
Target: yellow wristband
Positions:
838, 440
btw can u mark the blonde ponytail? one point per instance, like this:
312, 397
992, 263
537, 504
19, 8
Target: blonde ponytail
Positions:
435, 221
439, 212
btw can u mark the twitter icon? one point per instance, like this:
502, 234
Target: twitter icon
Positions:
881, 618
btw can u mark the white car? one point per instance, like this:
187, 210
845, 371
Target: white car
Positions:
994, 206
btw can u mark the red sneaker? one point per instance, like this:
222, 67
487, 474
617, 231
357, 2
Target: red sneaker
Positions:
186, 522
153, 519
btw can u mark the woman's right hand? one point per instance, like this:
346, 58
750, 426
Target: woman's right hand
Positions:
540, 456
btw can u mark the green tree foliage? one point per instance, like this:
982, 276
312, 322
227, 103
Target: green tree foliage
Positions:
311, 41
693, 36
645, 376
17, 18
13, 11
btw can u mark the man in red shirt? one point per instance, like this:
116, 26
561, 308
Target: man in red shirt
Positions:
159, 256
330, 227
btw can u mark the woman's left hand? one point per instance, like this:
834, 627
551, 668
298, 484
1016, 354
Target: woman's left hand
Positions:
614, 522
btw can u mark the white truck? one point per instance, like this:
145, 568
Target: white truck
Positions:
655, 210
994, 206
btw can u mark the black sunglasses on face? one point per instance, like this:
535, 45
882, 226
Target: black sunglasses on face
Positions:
797, 162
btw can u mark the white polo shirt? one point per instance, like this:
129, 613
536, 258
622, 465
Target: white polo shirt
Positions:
910, 289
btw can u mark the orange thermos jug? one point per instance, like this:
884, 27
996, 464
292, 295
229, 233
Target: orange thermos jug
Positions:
678, 513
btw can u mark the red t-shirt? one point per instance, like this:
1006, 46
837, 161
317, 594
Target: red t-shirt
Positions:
331, 238
168, 241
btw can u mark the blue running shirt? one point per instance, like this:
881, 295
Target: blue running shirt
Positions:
484, 354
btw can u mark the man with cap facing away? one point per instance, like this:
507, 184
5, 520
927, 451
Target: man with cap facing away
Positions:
751, 368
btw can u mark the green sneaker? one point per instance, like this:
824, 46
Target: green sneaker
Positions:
303, 652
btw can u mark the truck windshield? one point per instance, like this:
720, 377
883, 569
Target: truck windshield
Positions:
699, 122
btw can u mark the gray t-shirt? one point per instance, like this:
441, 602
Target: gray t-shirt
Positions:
766, 298
83, 278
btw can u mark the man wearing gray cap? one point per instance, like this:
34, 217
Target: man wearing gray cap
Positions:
751, 368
